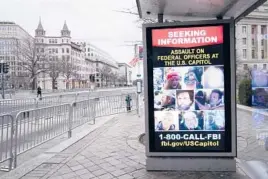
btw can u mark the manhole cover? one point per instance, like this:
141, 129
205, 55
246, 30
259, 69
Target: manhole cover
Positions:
142, 139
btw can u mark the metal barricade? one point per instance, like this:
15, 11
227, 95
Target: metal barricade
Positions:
33, 127
36, 126
8, 106
6, 141
110, 105
82, 112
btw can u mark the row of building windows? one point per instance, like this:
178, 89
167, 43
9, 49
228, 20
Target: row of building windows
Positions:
8, 28
254, 29
52, 41
255, 66
253, 54
253, 41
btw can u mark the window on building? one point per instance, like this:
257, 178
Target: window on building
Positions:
262, 42
244, 41
262, 54
252, 42
57, 50
245, 53
244, 29
253, 30
50, 41
253, 54
255, 66
67, 50
62, 50
88, 49
263, 29
264, 66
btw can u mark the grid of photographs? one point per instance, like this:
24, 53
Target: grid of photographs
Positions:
259, 85
189, 98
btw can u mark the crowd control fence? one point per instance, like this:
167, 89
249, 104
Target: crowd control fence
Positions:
6, 140
27, 129
15, 105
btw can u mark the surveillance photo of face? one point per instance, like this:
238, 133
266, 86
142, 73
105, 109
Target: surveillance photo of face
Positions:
209, 100
164, 100
193, 78
259, 78
172, 79
214, 77
185, 100
158, 76
191, 120
214, 120
165, 121
260, 97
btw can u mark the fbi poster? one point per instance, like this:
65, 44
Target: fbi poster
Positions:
189, 101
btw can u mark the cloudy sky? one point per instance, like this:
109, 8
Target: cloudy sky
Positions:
93, 20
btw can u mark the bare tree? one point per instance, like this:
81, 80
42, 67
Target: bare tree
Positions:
123, 80
54, 70
69, 70
105, 73
114, 77
32, 58
139, 20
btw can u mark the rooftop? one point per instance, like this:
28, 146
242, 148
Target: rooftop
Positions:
196, 9
7, 23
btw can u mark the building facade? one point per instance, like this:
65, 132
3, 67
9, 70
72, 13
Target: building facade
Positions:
73, 69
252, 40
125, 74
106, 68
11, 35
60, 62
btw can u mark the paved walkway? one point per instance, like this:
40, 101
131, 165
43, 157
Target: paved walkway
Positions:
112, 151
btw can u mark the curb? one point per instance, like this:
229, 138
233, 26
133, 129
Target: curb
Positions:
251, 110
31, 164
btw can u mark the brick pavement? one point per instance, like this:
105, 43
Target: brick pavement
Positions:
112, 151
249, 147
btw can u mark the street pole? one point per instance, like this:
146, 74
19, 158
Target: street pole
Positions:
2, 78
3, 86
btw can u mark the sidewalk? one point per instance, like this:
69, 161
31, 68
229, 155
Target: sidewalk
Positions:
112, 151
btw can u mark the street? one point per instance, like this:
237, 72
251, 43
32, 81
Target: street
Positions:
8, 106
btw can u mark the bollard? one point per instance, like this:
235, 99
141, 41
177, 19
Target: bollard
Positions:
128, 100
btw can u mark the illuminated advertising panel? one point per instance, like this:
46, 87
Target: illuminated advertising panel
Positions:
189, 92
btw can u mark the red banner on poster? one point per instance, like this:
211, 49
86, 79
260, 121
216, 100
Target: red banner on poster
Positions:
187, 37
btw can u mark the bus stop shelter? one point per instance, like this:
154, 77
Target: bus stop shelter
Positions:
188, 10
161, 40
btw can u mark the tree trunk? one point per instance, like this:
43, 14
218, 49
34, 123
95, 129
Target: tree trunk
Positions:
53, 84
33, 84
67, 84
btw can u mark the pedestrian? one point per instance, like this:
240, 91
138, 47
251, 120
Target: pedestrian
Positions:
39, 92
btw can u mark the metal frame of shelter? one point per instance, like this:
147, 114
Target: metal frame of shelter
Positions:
181, 10
192, 12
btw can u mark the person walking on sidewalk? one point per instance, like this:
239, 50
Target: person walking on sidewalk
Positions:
39, 92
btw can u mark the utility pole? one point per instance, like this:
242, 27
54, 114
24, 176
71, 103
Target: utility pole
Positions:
4, 68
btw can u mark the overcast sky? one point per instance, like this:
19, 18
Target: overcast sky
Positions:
93, 20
